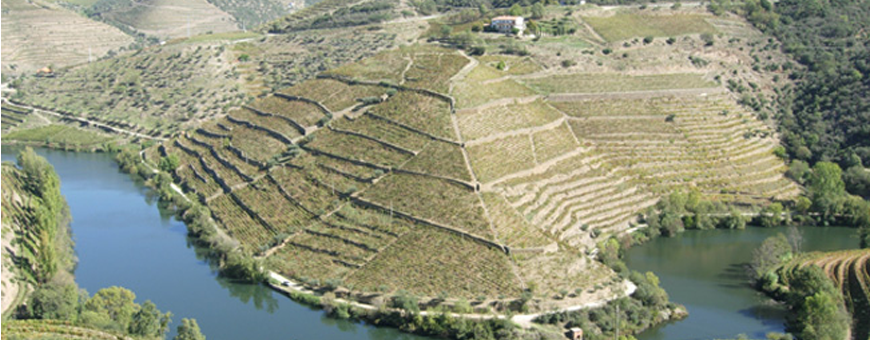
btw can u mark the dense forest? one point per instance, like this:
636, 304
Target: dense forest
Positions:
826, 115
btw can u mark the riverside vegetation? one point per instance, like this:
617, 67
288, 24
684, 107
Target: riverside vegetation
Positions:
475, 176
39, 260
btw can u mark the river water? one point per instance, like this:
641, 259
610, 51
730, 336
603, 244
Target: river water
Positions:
704, 270
123, 239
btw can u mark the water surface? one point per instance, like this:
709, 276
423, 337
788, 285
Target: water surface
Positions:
705, 271
123, 239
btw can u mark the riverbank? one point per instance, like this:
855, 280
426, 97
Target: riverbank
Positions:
290, 287
129, 240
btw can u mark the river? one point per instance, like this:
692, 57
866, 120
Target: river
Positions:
704, 270
123, 239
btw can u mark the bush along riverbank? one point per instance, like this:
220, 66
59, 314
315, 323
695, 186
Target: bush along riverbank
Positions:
821, 290
222, 251
825, 203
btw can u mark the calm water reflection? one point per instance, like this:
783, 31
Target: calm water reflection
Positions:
704, 270
123, 239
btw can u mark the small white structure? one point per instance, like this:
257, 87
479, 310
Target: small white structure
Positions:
506, 24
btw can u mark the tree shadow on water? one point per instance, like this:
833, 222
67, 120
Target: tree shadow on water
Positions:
260, 296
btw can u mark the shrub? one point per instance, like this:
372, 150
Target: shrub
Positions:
568, 63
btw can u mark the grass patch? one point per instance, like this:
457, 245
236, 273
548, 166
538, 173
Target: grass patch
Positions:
622, 26
422, 112
495, 159
504, 118
384, 131
239, 225
471, 94
60, 135
611, 82
552, 143
434, 199
231, 36
333, 94
513, 65
357, 148
441, 159
432, 261
510, 226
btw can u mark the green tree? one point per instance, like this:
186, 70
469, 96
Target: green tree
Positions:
822, 317
827, 189
54, 301
773, 251
189, 330
537, 10
169, 163
827, 179
115, 302
516, 10
149, 322
771, 215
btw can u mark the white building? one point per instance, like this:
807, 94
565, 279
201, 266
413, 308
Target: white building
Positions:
507, 23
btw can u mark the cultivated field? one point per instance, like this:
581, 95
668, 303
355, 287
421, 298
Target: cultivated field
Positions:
469, 175
39, 34
621, 26
850, 271
169, 19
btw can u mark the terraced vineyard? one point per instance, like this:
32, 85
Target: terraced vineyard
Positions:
34, 36
12, 117
428, 160
50, 329
168, 19
850, 271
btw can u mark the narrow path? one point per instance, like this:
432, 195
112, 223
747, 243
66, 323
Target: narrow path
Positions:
462, 72
407, 67
86, 121
572, 97
523, 320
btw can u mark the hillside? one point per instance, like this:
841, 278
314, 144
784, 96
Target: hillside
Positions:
37, 34
477, 177
161, 89
479, 180
153, 92
850, 272
166, 19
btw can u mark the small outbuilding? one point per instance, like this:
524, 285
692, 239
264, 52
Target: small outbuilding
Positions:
575, 333
506, 24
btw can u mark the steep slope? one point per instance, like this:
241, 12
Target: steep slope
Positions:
166, 19
39, 34
427, 162
850, 272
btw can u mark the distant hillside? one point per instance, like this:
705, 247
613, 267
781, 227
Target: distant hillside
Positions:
38, 34
165, 19
252, 13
